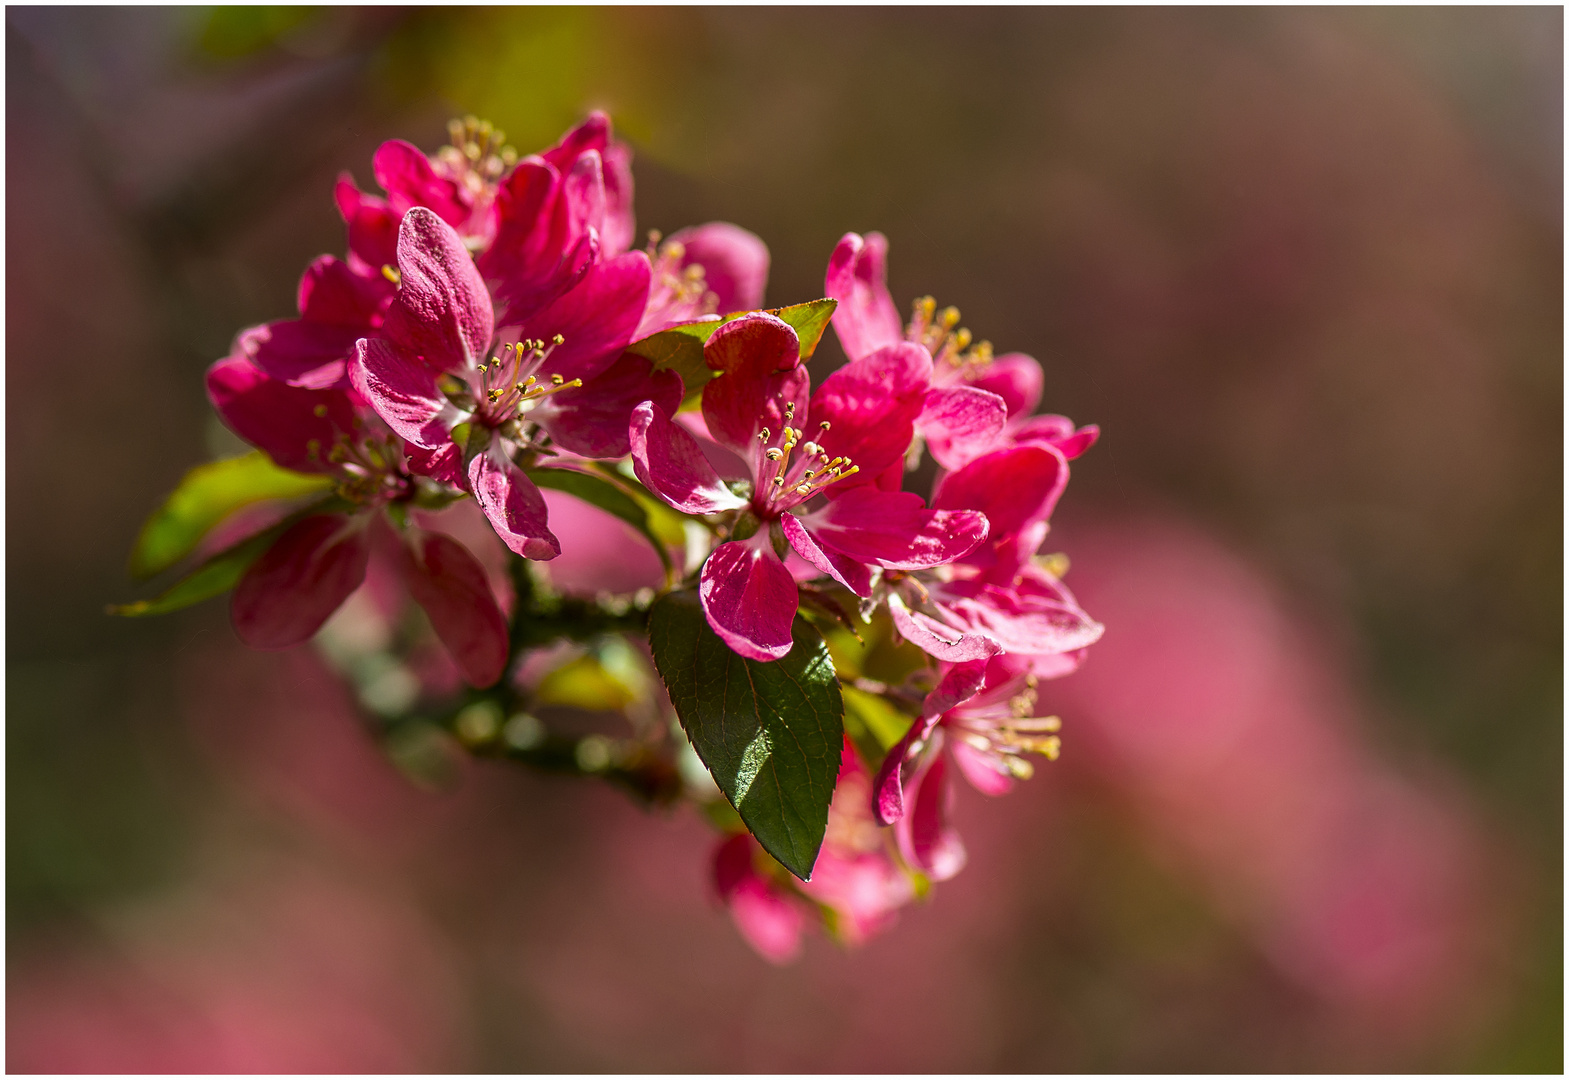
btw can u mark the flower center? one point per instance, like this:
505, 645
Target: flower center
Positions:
1007, 738
368, 466
680, 292
477, 156
785, 479
509, 385
946, 340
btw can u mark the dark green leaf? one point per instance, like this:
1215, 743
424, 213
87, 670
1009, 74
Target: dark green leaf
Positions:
770, 733
217, 575
208, 494
604, 494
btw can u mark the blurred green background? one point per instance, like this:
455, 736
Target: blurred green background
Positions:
1303, 267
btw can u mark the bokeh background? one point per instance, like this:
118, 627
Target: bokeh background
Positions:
1304, 268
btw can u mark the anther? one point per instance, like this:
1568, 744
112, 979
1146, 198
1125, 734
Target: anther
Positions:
319, 411
557, 380
950, 318
774, 453
390, 272
558, 339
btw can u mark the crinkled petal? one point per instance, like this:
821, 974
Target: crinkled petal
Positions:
961, 423
758, 357
286, 595
935, 638
403, 392
443, 463
866, 319
669, 462
592, 420
513, 505
749, 598
1016, 378
926, 838
450, 584
871, 405
895, 530
853, 575
442, 312
959, 684
902, 763
595, 319
283, 421
409, 179
734, 262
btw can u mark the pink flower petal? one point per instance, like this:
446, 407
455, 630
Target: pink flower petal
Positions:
734, 262
985, 772
895, 530
596, 318
281, 420
669, 462
408, 178
1057, 431
855, 576
286, 595
936, 639
925, 836
444, 463
403, 392
442, 312
866, 319
331, 291
532, 260
618, 230
758, 356
592, 420
450, 584
1025, 623
372, 226
1016, 489
961, 423
592, 134
959, 684
513, 504
300, 353
1014, 377
872, 404
749, 598
902, 760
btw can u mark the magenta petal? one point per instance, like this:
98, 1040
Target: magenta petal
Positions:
866, 319
1013, 488
450, 584
1057, 431
583, 196
1026, 622
284, 421
513, 504
670, 463
936, 639
592, 134
408, 178
298, 583
331, 292
959, 684
961, 423
1014, 377
903, 757
734, 262
592, 420
758, 357
596, 318
749, 598
895, 530
855, 576
531, 260
872, 404
442, 312
985, 772
926, 838
618, 230
372, 225
403, 392
768, 919
300, 353
444, 463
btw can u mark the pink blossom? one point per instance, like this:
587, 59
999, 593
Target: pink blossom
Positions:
712, 269
295, 586
432, 376
864, 414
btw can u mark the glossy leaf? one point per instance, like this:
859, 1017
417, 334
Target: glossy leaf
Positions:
607, 496
771, 734
208, 494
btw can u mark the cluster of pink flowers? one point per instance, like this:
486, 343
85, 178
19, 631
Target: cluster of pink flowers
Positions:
479, 326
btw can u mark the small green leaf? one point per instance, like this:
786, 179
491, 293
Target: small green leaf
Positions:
217, 575
770, 733
680, 349
208, 494
604, 494
874, 725
809, 320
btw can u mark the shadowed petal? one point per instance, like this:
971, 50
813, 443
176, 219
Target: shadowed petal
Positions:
592, 420
442, 312
936, 639
596, 318
513, 504
985, 772
403, 392
853, 575
372, 226
282, 420
866, 319
1016, 378
766, 917
749, 598
1016, 489
287, 594
669, 462
450, 584
895, 530
1057, 431
758, 356
872, 404
619, 229
926, 838
300, 353
1030, 623
961, 423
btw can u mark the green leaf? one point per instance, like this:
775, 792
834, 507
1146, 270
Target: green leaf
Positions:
770, 733
217, 575
597, 491
680, 349
208, 494
809, 320
873, 724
